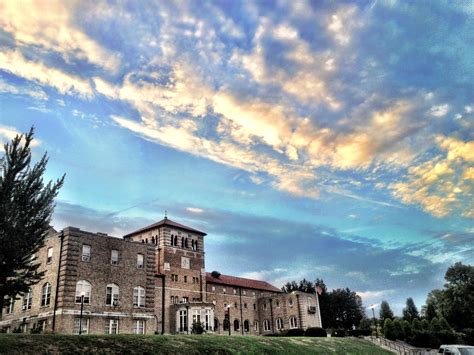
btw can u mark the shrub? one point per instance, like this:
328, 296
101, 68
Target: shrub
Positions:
388, 329
407, 329
435, 326
360, 332
339, 333
197, 328
467, 336
424, 339
296, 332
416, 325
315, 332
398, 330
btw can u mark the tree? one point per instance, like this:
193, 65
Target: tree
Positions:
385, 312
345, 309
303, 286
388, 329
429, 311
410, 312
26, 207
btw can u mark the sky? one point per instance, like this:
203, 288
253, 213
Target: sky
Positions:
319, 139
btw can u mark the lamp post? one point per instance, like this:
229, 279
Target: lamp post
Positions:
228, 320
80, 317
372, 306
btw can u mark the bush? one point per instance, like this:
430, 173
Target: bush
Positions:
424, 339
360, 332
339, 333
316, 332
296, 332
388, 329
407, 329
467, 336
197, 328
399, 333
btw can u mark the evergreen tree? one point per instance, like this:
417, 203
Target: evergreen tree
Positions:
398, 329
444, 325
410, 312
416, 325
430, 311
425, 325
385, 312
435, 326
26, 207
407, 329
388, 329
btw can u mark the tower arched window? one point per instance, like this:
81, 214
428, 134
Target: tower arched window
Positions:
186, 243
266, 325
175, 240
196, 245
83, 288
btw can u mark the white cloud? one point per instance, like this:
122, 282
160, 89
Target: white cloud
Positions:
439, 110
8, 133
194, 210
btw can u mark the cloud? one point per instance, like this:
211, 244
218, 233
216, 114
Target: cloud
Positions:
367, 296
33, 92
15, 63
194, 210
8, 133
51, 26
439, 110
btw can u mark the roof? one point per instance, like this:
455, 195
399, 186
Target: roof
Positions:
241, 282
165, 222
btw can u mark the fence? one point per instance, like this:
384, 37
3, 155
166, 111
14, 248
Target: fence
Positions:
399, 347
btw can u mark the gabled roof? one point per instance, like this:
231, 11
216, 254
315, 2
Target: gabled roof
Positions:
165, 222
241, 282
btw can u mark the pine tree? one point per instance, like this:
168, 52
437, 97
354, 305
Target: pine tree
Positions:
430, 311
26, 207
410, 312
385, 312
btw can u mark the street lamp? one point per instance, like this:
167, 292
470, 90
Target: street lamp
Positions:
228, 320
372, 307
80, 317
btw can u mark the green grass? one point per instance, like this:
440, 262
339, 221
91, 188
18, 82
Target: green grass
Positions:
180, 344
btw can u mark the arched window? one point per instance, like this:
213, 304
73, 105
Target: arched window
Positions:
192, 244
138, 297
255, 326
152, 240
112, 295
290, 302
236, 324
246, 325
279, 324
46, 294
186, 243
182, 242
266, 325
175, 240
226, 324
293, 322
83, 288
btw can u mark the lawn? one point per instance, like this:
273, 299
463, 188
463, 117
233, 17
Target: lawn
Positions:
180, 344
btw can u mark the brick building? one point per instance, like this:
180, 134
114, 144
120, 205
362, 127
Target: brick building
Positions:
151, 281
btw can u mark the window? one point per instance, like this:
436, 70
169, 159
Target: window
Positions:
27, 299
138, 297
226, 324
42, 324
86, 252
235, 305
279, 324
245, 305
254, 307
174, 277
81, 323
9, 305
266, 325
182, 242
234, 291
278, 304
111, 326
196, 245
246, 325
224, 291
83, 288
185, 299
49, 259
183, 320
112, 296
293, 322
290, 302
173, 300
244, 292
255, 326
264, 306
236, 325
185, 278
138, 327
114, 257
213, 288
46, 294
140, 261
166, 266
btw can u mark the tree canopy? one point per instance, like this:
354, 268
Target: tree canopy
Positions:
26, 207
410, 312
385, 312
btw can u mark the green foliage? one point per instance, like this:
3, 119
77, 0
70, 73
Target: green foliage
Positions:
197, 328
399, 333
435, 327
425, 325
296, 332
444, 324
407, 329
430, 311
410, 312
388, 329
385, 312
416, 325
303, 286
315, 332
26, 207
339, 333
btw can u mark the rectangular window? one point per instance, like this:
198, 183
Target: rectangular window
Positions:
183, 321
185, 278
224, 290
114, 257
86, 252
254, 307
235, 305
234, 291
139, 297
10, 303
245, 305
138, 327
140, 261
185, 299
78, 324
166, 266
244, 292
213, 288
111, 326
174, 277
27, 299
49, 259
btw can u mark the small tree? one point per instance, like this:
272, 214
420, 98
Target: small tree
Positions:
388, 329
385, 312
410, 312
197, 328
398, 329
407, 329
26, 207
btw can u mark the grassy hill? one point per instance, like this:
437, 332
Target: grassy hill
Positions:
180, 344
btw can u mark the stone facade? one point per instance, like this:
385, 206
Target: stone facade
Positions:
150, 281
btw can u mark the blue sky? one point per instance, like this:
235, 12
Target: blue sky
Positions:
308, 139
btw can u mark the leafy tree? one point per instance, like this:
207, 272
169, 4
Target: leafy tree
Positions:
26, 207
416, 325
407, 329
435, 327
385, 312
398, 329
410, 312
346, 309
430, 311
388, 329
303, 286
425, 325
443, 323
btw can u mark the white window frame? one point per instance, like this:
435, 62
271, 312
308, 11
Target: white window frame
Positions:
46, 295
138, 297
255, 326
11, 305
279, 324
111, 326
139, 326
83, 287
293, 322
140, 261
114, 295
84, 325
27, 300
266, 325
49, 257
86, 252
114, 257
